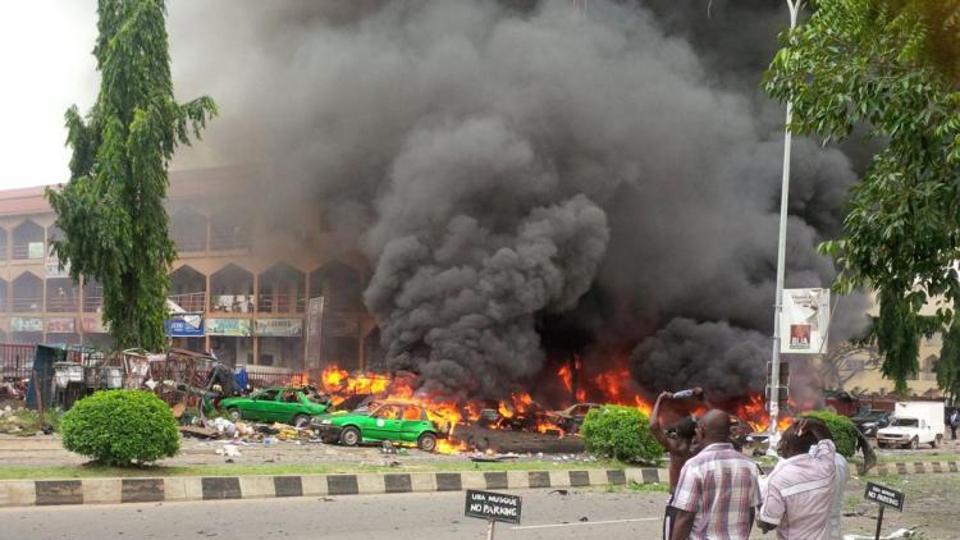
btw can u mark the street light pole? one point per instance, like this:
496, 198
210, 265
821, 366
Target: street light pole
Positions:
774, 384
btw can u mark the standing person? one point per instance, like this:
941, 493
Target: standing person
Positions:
954, 422
680, 448
801, 490
820, 451
717, 493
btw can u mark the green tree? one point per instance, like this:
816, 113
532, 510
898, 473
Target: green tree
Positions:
892, 66
111, 211
948, 365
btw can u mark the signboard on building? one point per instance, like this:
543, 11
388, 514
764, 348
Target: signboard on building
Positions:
804, 321
26, 324
278, 327
184, 325
229, 327
93, 324
314, 332
234, 303
61, 325
35, 250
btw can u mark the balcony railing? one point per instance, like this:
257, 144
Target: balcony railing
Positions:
193, 302
22, 252
229, 240
280, 303
64, 304
233, 303
26, 304
93, 304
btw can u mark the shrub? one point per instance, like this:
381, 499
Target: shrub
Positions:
121, 427
613, 431
843, 429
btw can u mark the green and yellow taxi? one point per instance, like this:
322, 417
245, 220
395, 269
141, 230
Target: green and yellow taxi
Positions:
289, 405
405, 423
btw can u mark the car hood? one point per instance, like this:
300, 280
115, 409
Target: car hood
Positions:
897, 430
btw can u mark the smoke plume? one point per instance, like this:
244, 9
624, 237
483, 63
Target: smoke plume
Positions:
508, 166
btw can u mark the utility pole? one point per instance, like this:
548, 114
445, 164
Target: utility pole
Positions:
773, 403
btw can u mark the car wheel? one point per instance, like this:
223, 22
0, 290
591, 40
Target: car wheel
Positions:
301, 420
234, 414
350, 436
914, 444
427, 442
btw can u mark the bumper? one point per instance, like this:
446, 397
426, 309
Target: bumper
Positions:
895, 441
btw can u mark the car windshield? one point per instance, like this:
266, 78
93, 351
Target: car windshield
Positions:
872, 416
904, 422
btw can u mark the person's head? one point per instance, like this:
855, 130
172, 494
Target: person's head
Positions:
686, 428
714, 427
795, 441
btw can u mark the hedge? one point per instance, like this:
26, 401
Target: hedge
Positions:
121, 428
618, 432
843, 429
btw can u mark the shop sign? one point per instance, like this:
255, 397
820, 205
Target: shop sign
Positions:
279, 327
185, 325
26, 324
93, 324
61, 325
229, 327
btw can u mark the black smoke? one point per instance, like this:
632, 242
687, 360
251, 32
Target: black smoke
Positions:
513, 168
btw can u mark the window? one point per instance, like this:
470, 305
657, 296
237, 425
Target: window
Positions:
412, 413
267, 395
388, 412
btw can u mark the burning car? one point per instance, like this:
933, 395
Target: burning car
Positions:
295, 406
570, 419
393, 421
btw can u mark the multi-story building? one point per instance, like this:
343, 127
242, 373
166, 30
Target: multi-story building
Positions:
263, 294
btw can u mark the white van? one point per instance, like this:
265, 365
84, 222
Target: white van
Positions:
914, 423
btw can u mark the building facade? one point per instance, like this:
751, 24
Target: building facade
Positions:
250, 288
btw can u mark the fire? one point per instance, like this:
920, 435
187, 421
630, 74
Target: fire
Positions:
333, 377
754, 412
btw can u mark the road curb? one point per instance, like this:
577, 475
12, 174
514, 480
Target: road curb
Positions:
204, 488
917, 467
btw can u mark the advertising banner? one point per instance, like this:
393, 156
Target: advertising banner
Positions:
93, 324
314, 331
185, 325
229, 327
26, 324
278, 327
61, 325
804, 321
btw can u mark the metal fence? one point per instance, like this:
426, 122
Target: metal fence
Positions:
16, 361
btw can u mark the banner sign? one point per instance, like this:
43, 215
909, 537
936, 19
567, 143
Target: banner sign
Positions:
314, 332
93, 324
278, 327
229, 327
234, 303
184, 325
804, 321
62, 325
26, 324
493, 506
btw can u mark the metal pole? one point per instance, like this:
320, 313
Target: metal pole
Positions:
774, 400
491, 529
879, 524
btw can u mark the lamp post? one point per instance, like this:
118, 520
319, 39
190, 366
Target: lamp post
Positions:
774, 384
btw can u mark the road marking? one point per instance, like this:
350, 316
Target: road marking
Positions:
580, 523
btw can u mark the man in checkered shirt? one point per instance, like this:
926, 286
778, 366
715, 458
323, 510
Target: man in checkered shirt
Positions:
718, 492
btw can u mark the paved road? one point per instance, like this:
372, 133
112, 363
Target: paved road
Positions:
421, 515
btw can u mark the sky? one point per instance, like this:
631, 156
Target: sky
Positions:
45, 55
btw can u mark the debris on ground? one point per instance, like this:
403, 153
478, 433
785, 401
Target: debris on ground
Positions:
899, 533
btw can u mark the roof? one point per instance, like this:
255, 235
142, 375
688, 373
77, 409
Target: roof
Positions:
185, 184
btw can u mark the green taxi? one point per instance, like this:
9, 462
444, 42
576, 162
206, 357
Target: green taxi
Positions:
388, 421
294, 406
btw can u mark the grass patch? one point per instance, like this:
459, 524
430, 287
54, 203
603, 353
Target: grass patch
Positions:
15, 472
924, 457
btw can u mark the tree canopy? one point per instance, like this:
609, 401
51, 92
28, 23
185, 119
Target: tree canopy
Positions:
112, 209
892, 66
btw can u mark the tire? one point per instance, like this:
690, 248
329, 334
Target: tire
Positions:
427, 442
234, 414
914, 443
301, 420
350, 436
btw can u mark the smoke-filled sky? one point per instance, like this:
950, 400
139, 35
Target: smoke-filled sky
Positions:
513, 168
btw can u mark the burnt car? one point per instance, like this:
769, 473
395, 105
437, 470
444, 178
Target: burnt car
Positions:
871, 421
571, 418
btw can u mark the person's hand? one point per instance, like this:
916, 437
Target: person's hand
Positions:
698, 391
666, 395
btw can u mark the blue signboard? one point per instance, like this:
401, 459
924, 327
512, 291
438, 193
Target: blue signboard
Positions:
184, 325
